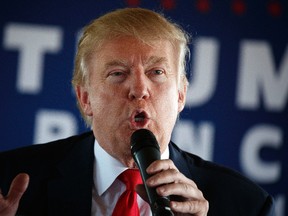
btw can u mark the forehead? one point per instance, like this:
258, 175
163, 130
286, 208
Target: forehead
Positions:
131, 49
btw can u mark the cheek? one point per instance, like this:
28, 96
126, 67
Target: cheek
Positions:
98, 102
105, 104
169, 105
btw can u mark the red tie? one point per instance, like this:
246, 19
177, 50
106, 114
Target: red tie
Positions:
127, 202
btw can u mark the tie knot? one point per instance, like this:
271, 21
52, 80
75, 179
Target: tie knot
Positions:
130, 177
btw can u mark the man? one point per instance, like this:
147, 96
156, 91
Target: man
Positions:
129, 74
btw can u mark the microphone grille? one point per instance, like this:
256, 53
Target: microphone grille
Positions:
143, 138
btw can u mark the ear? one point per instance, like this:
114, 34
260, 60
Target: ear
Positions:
84, 100
182, 97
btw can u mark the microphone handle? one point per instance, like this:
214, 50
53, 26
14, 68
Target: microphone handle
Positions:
160, 206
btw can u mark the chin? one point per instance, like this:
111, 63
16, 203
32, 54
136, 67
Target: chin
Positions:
128, 160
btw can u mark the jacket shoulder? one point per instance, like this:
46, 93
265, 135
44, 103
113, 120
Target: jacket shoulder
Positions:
43, 149
39, 158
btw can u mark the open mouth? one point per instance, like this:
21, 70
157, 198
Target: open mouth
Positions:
139, 119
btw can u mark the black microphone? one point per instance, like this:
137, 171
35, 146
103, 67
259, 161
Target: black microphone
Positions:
145, 150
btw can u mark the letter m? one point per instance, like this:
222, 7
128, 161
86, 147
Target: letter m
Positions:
259, 78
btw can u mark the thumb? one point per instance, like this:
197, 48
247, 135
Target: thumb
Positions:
18, 187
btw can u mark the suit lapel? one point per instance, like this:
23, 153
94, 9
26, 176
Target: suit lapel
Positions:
70, 192
179, 160
190, 165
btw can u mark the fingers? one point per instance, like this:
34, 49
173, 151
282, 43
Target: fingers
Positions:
9, 204
196, 207
159, 165
164, 178
193, 202
170, 182
165, 172
17, 188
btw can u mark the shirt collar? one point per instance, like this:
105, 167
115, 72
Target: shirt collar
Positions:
107, 168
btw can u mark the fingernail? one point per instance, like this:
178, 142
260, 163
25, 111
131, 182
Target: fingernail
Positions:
149, 182
173, 204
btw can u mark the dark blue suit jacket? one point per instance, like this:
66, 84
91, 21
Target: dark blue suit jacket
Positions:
61, 180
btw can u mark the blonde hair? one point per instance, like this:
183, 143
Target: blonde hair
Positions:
142, 24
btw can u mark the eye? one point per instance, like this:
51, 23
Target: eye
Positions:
155, 72
158, 72
157, 75
116, 76
117, 73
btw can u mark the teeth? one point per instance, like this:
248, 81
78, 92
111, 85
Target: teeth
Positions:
138, 119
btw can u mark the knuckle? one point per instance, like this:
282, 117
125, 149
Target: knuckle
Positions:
198, 206
191, 206
186, 187
171, 164
175, 172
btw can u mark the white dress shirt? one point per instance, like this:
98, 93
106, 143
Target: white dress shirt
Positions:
107, 188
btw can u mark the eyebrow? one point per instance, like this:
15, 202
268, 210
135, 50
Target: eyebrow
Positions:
115, 63
150, 61
155, 59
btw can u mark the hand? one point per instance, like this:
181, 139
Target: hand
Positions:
9, 204
170, 182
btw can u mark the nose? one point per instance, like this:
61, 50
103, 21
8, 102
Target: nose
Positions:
138, 87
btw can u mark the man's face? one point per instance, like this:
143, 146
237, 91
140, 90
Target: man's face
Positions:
131, 86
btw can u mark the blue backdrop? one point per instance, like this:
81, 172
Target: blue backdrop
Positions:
236, 110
